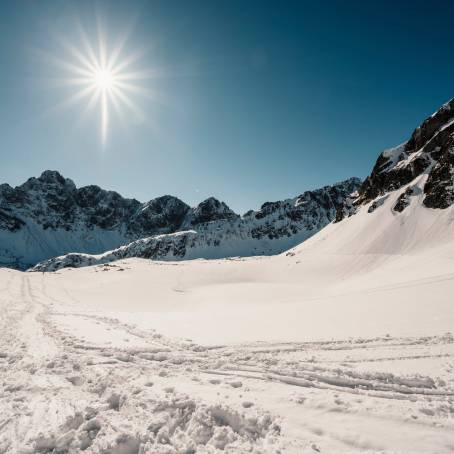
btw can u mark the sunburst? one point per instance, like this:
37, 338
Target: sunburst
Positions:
106, 79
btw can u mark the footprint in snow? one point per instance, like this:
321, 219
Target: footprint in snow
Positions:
76, 380
126, 358
114, 401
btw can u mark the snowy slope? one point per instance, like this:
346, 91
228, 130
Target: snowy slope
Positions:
384, 230
342, 345
48, 216
401, 261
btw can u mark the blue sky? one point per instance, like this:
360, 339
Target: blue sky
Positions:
253, 101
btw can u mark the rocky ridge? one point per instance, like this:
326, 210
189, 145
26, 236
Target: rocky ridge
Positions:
429, 151
49, 216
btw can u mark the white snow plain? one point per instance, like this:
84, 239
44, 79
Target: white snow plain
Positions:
341, 345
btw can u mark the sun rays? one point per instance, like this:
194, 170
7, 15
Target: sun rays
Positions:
101, 77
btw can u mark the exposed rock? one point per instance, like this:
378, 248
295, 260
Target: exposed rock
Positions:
404, 200
311, 210
10, 222
209, 210
373, 206
430, 150
439, 188
161, 215
347, 208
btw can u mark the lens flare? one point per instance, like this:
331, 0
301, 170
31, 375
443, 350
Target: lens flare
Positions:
105, 78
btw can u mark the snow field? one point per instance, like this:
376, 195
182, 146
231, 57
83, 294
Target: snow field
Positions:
341, 345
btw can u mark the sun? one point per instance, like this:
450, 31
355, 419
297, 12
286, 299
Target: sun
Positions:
104, 80
103, 76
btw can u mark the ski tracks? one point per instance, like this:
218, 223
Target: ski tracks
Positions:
82, 381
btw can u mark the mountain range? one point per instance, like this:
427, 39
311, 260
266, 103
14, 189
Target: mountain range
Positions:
49, 223
49, 216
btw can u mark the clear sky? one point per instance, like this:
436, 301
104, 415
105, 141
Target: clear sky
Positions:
250, 100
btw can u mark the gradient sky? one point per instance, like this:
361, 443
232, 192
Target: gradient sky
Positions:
254, 101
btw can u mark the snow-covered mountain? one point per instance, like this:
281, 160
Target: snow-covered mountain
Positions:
428, 152
49, 216
418, 172
342, 344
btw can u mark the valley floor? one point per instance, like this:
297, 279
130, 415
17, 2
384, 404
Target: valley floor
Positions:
147, 357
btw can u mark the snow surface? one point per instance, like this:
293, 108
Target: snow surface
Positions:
341, 345
393, 155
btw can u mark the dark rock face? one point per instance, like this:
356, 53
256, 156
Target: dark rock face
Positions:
346, 209
439, 188
49, 199
210, 210
54, 202
404, 200
164, 215
430, 127
430, 150
105, 209
310, 211
373, 207
161, 247
267, 208
9, 222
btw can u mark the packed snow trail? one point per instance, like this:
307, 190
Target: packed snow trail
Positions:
61, 394
74, 380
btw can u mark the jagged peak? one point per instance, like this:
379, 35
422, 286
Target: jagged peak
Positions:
440, 119
213, 203
347, 181
430, 150
164, 199
51, 175
55, 177
210, 209
49, 178
164, 202
5, 187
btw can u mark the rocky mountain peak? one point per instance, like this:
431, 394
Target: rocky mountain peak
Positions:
430, 126
163, 214
430, 151
52, 177
209, 210
49, 179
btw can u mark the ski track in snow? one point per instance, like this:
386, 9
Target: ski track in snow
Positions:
129, 390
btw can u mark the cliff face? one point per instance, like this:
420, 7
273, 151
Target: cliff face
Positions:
429, 151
